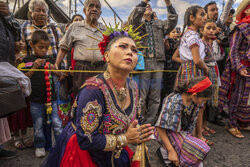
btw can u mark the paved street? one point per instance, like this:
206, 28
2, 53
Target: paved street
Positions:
228, 151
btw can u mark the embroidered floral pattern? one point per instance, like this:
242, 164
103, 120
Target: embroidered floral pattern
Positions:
114, 120
110, 143
118, 117
90, 119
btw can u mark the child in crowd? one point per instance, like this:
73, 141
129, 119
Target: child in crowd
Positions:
192, 53
171, 44
211, 111
177, 121
43, 98
21, 120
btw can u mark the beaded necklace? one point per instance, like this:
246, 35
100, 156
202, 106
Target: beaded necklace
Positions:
48, 80
122, 102
120, 93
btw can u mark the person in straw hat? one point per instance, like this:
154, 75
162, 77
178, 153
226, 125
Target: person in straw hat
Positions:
235, 87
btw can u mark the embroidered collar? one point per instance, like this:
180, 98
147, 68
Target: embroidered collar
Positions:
114, 113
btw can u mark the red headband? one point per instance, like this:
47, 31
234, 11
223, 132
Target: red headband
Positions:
199, 87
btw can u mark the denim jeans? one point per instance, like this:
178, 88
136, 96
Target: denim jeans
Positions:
38, 112
47, 133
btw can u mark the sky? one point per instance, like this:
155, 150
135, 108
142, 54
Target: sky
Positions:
124, 7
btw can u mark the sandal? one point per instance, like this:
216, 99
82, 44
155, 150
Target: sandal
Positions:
28, 142
245, 128
210, 130
19, 145
205, 133
235, 132
208, 142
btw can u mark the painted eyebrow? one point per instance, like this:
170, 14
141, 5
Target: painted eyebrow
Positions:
126, 44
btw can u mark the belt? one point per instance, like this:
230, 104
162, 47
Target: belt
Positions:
95, 64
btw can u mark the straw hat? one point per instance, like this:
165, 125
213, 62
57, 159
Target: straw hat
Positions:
241, 8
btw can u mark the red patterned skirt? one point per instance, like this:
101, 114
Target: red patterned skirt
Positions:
22, 119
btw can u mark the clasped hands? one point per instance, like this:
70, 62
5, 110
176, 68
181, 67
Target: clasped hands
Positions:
139, 134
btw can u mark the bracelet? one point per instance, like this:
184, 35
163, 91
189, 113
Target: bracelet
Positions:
111, 143
121, 142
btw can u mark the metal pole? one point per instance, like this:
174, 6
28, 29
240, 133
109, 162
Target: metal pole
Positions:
75, 6
14, 7
223, 4
114, 11
81, 2
69, 8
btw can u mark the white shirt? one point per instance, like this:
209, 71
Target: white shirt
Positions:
189, 39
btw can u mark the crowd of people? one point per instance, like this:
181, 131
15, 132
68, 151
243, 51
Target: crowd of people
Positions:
192, 76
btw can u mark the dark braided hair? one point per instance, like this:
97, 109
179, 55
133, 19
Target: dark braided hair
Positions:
183, 86
190, 11
207, 21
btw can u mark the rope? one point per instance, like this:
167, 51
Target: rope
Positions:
87, 71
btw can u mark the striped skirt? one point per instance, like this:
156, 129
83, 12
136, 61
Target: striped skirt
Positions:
235, 92
187, 71
213, 76
191, 150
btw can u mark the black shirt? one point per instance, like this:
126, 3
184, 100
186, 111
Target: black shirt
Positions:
7, 43
38, 83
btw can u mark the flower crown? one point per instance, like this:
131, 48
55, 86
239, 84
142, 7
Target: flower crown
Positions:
111, 33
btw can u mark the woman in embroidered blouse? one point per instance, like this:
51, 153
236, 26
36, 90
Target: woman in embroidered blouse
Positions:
107, 114
177, 122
